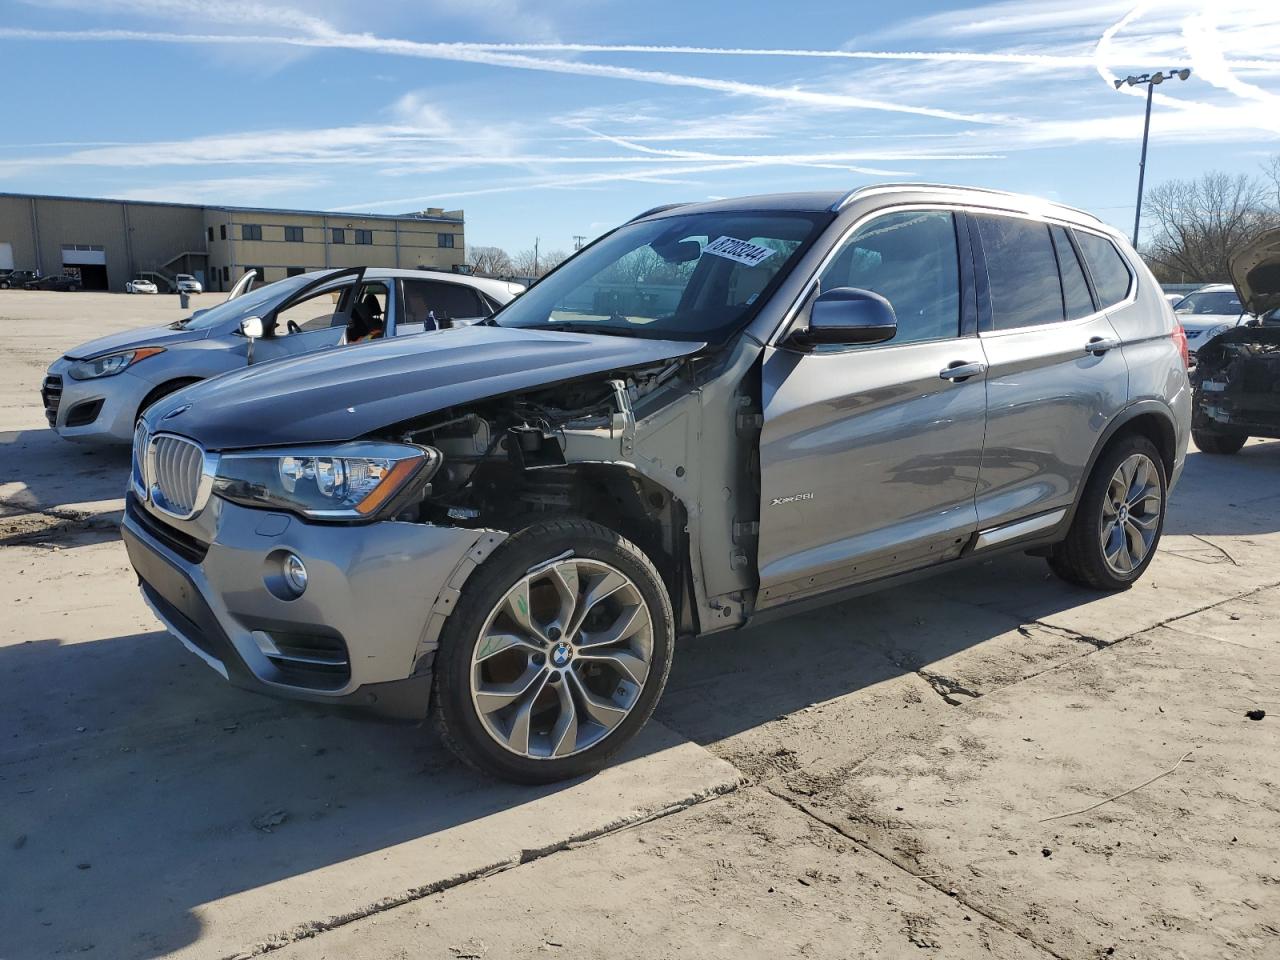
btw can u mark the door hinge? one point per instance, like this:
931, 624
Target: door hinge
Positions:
750, 422
742, 531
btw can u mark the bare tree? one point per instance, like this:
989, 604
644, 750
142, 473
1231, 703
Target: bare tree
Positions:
1199, 223
526, 263
490, 261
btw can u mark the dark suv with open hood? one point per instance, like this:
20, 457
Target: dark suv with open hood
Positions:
1237, 375
713, 414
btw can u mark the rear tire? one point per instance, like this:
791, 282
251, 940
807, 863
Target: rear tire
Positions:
1119, 519
1218, 443
528, 686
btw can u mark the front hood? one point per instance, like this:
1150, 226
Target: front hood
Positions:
342, 394
127, 339
1255, 271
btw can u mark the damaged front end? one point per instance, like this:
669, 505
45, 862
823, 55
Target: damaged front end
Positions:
1237, 383
626, 448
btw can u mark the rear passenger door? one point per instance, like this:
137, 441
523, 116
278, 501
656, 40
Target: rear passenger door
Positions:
431, 304
1056, 373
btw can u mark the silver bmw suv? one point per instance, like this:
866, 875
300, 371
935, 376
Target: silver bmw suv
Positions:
713, 414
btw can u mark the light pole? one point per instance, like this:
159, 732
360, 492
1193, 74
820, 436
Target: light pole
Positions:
1151, 80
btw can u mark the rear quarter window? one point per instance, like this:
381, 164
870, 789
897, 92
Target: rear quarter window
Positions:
1107, 266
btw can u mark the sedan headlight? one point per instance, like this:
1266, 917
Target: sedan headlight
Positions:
347, 482
1214, 331
110, 364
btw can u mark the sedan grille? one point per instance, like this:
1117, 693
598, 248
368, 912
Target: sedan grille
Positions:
176, 475
51, 395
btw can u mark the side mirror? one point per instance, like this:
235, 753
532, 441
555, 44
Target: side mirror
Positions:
251, 327
846, 315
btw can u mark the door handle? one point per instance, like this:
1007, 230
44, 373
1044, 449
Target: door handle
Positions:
960, 371
1100, 345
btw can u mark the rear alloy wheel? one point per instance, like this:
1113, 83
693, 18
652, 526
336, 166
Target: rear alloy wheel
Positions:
1119, 520
555, 656
1219, 443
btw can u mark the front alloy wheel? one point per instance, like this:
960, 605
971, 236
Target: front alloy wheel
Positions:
562, 658
555, 655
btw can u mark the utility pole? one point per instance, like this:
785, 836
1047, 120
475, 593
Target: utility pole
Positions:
535, 258
1151, 80
578, 240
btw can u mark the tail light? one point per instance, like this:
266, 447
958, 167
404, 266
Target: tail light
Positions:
1180, 338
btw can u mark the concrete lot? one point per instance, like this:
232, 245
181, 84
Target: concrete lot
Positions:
874, 780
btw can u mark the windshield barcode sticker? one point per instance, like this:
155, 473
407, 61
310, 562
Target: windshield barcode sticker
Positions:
751, 254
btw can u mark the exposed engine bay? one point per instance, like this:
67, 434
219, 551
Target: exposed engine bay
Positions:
1237, 382
633, 449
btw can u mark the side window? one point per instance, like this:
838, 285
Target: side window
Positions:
1022, 272
912, 260
314, 313
425, 297
1111, 277
368, 313
1075, 289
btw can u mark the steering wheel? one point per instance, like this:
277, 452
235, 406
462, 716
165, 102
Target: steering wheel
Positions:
293, 327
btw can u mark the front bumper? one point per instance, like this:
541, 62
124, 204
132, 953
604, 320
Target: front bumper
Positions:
92, 411
358, 635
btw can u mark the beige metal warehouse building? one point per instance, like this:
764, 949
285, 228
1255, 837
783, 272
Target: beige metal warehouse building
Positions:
109, 242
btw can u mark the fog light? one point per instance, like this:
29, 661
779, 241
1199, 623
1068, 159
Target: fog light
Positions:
295, 572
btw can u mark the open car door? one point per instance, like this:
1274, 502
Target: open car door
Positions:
314, 318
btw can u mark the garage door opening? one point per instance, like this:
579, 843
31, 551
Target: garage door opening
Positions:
88, 260
92, 276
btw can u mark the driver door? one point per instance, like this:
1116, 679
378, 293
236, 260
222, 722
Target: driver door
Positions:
869, 454
314, 318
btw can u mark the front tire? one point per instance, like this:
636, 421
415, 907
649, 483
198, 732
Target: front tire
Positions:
1119, 519
1218, 443
556, 654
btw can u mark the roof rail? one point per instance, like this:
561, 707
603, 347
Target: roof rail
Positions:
877, 187
659, 209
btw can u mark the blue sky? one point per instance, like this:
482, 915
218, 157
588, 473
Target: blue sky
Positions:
552, 118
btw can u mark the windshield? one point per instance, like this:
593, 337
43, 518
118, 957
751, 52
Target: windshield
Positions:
1213, 302
695, 277
255, 303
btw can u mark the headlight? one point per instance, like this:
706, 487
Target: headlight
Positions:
347, 482
1214, 331
111, 364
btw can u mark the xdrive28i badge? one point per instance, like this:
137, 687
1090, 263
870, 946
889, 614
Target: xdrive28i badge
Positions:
794, 498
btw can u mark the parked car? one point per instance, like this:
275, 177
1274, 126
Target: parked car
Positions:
1208, 312
716, 414
60, 281
96, 391
186, 283
1237, 379
16, 279
140, 286
1174, 299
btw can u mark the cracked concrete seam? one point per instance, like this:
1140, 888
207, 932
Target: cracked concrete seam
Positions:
312, 929
946, 890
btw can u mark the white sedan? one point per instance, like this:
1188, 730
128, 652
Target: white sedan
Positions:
140, 286
186, 283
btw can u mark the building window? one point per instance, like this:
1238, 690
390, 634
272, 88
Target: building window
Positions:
364, 236
295, 271
339, 235
293, 234
226, 274
211, 233
251, 231
444, 239
259, 272
222, 230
